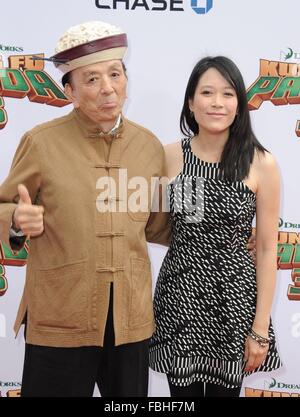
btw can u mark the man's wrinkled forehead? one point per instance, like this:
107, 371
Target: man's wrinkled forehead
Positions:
99, 68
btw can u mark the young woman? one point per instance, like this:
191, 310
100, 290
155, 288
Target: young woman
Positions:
212, 306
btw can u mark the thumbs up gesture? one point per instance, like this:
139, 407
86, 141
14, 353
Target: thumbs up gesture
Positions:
27, 217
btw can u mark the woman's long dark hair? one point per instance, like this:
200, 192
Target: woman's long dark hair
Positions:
239, 149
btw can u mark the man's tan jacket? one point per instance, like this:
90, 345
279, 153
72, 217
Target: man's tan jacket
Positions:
94, 231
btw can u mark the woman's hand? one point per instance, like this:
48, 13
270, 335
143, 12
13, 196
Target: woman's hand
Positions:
255, 354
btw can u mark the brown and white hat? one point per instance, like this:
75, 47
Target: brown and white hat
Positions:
89, 43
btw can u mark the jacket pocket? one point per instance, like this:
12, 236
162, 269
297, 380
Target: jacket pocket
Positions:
60, 298
141, 308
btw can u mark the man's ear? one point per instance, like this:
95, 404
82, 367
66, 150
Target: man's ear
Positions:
70, 94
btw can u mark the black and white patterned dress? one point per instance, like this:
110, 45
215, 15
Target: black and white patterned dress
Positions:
205, 296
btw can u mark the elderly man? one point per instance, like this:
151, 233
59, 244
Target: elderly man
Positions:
87, 302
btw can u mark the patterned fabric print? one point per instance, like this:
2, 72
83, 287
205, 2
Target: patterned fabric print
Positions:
205, 295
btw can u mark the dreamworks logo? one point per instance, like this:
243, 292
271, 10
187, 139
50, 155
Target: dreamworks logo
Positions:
280, 385
288, 225
198, 6
289, 55
2, 326
6, 48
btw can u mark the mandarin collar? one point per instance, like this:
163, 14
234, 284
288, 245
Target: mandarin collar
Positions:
91, 129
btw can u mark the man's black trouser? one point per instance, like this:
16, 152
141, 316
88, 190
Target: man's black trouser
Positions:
120, 371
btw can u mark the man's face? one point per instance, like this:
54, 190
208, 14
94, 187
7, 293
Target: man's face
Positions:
99, 90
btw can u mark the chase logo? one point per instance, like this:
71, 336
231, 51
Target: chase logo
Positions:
201, 6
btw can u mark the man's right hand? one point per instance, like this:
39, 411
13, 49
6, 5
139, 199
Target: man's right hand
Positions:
27, 217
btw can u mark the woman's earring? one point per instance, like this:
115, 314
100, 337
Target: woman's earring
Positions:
191, 114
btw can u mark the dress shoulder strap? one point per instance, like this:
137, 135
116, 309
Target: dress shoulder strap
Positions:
186, 145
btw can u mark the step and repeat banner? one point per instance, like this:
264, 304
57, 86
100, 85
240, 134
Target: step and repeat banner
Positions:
166, 39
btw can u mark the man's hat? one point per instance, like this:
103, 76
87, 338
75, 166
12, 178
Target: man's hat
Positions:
89, 43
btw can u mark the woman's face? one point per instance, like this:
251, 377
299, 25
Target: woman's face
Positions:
214, 104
